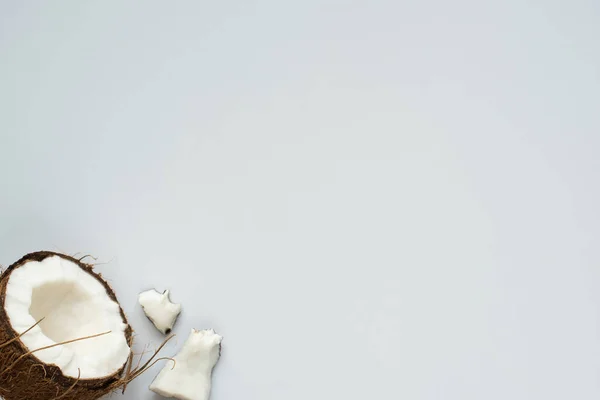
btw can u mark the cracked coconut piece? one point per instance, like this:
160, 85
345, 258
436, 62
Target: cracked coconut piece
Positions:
189, 378
159, 309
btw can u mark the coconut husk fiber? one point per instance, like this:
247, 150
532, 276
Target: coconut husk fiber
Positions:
24, 377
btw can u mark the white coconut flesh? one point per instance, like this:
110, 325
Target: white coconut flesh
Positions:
189, 378
159, 309
74, 305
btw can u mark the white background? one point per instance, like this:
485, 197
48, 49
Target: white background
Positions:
367, 199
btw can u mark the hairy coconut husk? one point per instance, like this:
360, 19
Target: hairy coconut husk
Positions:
24, 377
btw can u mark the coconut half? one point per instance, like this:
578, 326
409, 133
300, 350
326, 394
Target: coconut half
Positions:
72, 302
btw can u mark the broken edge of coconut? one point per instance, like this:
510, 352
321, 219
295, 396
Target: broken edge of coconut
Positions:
190, 377
159, 309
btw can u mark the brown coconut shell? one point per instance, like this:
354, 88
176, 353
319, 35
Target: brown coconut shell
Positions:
30, 378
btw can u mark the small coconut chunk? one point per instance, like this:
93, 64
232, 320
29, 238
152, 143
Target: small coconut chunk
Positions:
189, 378
159, 309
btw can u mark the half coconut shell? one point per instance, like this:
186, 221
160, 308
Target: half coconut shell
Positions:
25, 377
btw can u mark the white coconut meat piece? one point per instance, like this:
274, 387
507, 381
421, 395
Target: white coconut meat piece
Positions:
159, 309
190, 377
73, 304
